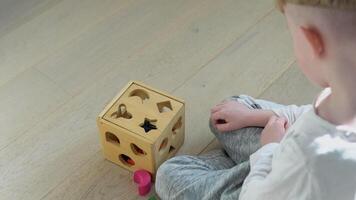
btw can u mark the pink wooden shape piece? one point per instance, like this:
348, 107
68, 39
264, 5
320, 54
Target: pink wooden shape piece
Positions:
143, 180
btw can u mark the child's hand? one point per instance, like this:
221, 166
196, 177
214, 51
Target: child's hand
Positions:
230, 115
274, 130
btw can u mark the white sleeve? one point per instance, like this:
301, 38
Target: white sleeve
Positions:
262, 159
291, 112
276, 170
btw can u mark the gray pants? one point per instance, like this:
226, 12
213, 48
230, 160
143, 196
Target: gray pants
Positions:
218, 174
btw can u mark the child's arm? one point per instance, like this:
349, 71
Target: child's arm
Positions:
288, 166
232, 115
259, 118
292, 112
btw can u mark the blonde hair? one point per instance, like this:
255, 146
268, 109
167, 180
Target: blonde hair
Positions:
339, 4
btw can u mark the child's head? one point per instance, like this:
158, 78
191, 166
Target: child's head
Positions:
324, 35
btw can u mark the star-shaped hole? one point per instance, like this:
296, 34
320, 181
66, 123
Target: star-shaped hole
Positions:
149, 124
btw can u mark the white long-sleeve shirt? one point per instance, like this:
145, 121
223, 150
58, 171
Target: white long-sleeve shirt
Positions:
316, 160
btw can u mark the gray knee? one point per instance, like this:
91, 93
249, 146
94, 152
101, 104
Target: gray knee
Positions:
163, 179
166, 177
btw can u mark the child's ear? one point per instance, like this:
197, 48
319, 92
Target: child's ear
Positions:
315, 40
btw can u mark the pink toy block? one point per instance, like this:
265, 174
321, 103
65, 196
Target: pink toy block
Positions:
143, 180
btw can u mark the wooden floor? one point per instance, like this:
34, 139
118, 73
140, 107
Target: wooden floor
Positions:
61, 61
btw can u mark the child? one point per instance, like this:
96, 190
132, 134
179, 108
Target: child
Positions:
306, 152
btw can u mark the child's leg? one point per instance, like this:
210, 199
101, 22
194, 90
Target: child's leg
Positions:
240, 144
215, 175
211, 176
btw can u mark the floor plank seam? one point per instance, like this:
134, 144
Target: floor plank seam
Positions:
223, 49
26, 131
134, 52
53, 81
289, 65
69, 175
211, 142
68, 42
14, 27
171, 27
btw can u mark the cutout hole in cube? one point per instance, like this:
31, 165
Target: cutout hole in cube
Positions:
122, 112
126, 160
164, 106
143, 95
171, 149
177, 126
137, 150
149, 124
163, 144
112, 138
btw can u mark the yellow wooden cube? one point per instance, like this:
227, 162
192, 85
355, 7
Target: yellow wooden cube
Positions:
141, 127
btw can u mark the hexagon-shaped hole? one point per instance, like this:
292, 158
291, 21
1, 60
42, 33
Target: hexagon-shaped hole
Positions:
126, 160
143, 95
164, 106
163, 145
137, 150
112, 138
177, 126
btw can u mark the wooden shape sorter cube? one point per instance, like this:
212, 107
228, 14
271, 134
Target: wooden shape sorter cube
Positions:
141, 127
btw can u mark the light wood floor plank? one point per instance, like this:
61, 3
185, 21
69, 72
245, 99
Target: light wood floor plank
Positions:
214, 144
14, 13
98, 179
35, 40
25, 101
291, 88
141, 44
105, 47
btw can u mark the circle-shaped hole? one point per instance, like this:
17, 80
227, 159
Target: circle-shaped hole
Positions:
163, 144
177, 126
137, 150
126, 160
112, 138
143, 95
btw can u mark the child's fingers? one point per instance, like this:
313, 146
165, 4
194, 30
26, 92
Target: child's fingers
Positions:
281, 120
217, 107
218, 118
224, 127
277, 121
